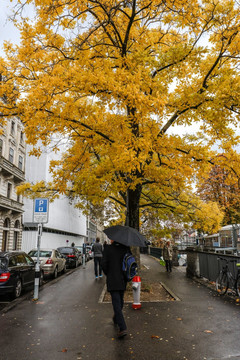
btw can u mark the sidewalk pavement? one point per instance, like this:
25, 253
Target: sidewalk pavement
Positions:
70, 322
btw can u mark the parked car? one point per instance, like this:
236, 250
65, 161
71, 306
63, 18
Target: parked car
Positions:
17, 271
80, 251
72, 255
51, 261
89, 251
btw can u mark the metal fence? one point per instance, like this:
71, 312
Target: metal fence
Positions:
156, 252
210, 264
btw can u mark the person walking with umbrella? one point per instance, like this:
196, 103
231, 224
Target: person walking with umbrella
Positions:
116, 283
122, 237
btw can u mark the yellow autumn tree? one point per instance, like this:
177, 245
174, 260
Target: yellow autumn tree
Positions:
222, 185
115, 78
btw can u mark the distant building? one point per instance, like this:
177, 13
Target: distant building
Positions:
91, 230
228, 237
12, 168
66, 224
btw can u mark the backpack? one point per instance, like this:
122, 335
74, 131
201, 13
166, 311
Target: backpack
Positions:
129, 266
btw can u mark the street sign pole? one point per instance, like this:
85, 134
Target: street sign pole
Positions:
37, 267
84, 254
40, 216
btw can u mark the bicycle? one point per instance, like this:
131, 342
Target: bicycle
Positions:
226, 280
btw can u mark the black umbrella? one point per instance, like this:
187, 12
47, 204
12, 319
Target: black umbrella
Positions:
125, 235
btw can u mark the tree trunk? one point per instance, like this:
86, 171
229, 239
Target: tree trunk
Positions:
132, 217
133, 198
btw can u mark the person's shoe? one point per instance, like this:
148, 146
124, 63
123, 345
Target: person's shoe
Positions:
122, 333
100, 275
96, 277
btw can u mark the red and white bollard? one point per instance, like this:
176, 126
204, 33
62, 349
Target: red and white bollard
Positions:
136, 286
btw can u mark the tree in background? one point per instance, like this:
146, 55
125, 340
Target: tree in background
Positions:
222, 186
114, 78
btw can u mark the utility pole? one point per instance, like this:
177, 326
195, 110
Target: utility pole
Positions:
37, 266
40, 216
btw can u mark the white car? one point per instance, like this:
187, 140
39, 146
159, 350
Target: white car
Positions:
51, 261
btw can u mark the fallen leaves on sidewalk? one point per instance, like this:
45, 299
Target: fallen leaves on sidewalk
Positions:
208, 331
150, 292
64, 350
154, 336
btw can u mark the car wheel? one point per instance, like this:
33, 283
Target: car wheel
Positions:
55, 274
18, 289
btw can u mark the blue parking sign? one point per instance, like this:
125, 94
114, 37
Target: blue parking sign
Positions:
40, 213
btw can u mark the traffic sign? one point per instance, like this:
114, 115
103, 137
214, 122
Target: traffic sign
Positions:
40, 211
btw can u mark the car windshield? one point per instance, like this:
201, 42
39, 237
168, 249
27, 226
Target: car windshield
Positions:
42, 253
66, 250
3, 263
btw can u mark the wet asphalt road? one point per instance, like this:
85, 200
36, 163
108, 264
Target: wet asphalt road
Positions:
70, 322
7, 302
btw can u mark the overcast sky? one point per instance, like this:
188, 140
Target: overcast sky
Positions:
8, 32
7, 29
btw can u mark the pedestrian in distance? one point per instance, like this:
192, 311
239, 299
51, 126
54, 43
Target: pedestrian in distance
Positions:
116, 282
167, 255
104, 245
97, 256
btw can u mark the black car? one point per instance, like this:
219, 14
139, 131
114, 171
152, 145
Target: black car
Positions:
72, 255
17, 271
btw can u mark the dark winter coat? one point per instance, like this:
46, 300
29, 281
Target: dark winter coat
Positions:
112, 266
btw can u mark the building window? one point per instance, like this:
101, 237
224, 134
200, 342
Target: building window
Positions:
11, 155
15, 240
1, 147
21, 137
16, 235
12, 127
20, 162
9, 190
6, 226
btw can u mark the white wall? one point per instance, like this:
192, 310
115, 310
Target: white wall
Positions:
63, 215
48, 240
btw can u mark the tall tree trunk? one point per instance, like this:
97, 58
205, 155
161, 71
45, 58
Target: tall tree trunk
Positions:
133, 199
132, 217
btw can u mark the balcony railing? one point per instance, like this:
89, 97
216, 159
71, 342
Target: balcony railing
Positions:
9, 204
10, 169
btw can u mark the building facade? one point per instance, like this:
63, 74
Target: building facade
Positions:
66, 223
12, 173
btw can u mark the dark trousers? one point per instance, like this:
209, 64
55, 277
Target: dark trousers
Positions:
117, 303
98, 266
168, 265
